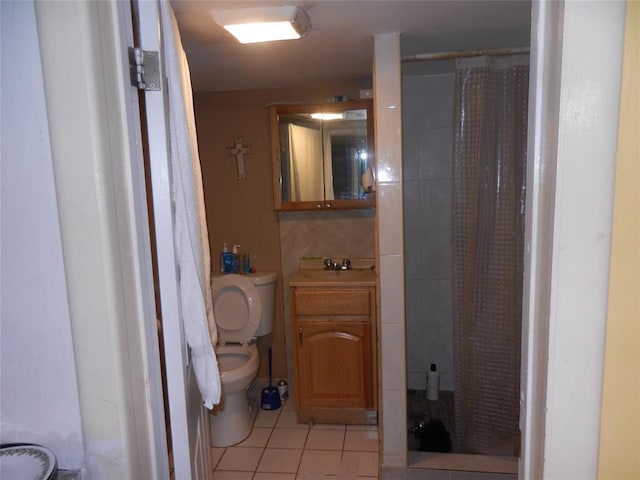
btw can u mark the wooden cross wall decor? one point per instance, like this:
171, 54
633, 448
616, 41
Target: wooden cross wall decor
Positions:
239, 151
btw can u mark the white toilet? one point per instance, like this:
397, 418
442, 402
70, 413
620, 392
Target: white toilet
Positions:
243, 310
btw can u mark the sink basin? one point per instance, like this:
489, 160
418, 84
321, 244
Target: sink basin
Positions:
356, 277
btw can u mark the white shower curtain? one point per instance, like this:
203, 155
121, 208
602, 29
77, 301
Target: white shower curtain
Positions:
488, 238
305, 164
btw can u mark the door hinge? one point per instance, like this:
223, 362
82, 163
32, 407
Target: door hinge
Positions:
145, 69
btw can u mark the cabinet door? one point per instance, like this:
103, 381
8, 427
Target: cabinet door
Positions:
334, 364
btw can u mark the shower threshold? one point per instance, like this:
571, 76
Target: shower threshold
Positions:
462, 462
419, 408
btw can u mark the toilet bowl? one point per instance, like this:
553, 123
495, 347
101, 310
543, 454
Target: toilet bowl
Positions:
243, 310
238, 365
231, 420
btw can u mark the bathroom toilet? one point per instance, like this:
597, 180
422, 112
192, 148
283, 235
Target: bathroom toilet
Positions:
243, 310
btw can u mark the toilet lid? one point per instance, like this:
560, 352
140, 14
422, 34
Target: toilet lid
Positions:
236, 308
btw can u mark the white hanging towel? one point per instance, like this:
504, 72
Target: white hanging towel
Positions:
192, 244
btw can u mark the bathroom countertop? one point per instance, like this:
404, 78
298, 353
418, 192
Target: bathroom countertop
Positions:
356, 277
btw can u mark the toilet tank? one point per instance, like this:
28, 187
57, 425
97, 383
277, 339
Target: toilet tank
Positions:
265, 283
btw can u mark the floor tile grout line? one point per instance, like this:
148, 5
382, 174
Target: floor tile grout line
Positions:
302, 455
264, 449
304, 445
304, 449
224, 449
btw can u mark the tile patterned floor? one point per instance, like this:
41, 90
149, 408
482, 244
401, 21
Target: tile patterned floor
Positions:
280, 448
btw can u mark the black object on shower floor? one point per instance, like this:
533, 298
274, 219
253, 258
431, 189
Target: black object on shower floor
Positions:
433, 436
431, 422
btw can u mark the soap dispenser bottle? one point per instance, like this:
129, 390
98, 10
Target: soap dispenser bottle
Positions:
226, 260
236, 259
224, 250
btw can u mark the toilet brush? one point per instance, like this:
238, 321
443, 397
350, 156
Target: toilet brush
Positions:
270, 394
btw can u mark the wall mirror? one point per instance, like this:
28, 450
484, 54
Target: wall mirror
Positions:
322, 155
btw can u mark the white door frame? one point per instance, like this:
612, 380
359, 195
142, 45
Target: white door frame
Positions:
544, 94
575, 83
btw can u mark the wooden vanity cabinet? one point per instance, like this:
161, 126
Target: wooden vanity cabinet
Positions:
334, 354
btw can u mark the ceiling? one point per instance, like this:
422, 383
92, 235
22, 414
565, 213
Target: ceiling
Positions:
339, 45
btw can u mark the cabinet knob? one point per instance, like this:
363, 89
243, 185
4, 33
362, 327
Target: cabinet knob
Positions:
328, 205
300, 336
319, 205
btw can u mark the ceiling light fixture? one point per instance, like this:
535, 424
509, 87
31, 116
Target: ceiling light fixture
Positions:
266, 24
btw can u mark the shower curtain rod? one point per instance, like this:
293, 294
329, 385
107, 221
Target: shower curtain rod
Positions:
425, 57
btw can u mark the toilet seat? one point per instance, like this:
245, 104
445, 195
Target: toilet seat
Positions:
236, 309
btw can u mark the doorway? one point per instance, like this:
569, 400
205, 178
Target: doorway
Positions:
464, 236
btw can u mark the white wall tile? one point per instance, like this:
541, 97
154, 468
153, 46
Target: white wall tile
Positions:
447, 381
415, 349
415, 302
435, 153
415, 101
435, 203
416, 381
411, 151
437, 253
430, 100
393, 358
387, 78
389, 145
411, 204
437, 350
394, 423
389, 205
387, 94
438, 302
428, 120
391, 289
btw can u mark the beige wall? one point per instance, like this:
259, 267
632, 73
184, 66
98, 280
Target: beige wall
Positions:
620, 422
241, 212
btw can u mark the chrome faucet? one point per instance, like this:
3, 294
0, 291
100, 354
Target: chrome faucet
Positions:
330, 264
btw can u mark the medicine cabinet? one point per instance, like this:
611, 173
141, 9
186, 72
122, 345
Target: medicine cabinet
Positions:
322, 154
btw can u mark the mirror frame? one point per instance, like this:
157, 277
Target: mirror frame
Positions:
320, 204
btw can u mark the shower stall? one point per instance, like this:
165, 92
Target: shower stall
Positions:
464, 151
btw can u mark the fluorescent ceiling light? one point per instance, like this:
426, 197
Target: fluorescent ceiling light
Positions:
266, 24
327, 116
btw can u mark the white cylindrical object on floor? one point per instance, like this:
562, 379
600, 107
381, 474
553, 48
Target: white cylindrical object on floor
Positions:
433, 383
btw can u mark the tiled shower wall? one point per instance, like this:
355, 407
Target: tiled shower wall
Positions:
427, 126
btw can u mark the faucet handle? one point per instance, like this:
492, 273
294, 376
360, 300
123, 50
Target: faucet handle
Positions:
328, 263
346, 264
